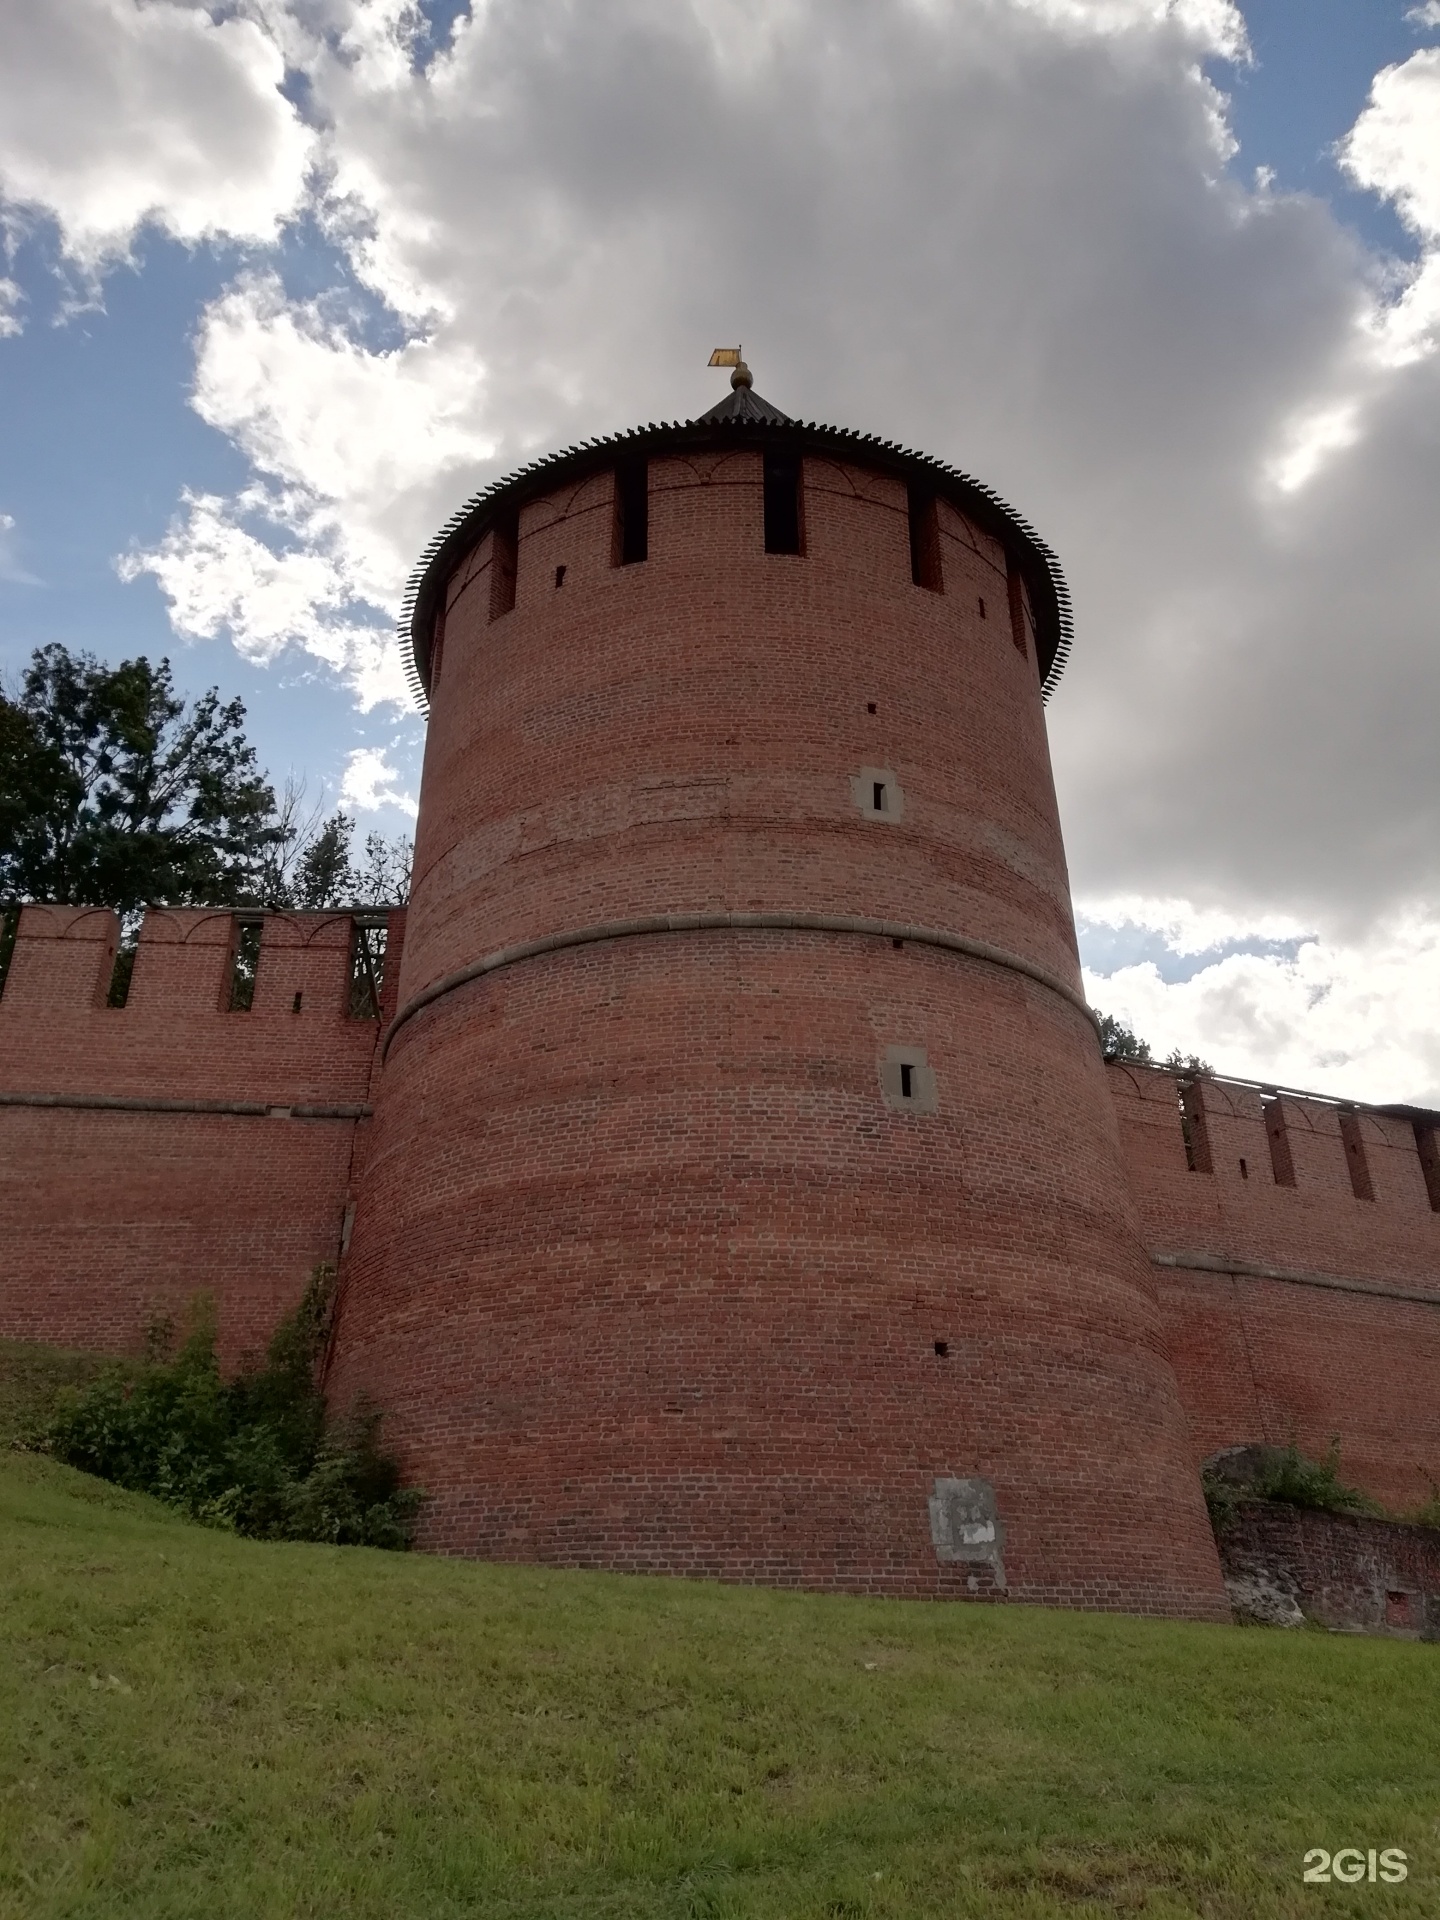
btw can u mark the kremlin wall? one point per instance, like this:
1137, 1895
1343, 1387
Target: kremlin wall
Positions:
722, 1168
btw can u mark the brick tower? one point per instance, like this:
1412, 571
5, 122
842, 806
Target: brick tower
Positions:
744, 1197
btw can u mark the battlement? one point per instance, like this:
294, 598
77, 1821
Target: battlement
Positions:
1295, 1245
1265, 1176
183, 1117
214, 1005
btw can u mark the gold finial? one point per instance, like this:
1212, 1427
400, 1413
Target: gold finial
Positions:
732, 357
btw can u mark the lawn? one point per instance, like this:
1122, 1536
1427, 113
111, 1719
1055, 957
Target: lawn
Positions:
193, 1724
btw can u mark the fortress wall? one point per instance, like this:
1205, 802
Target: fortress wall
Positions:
123, 1191
1260, 1357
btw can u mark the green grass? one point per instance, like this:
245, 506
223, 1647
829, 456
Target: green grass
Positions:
193, 1724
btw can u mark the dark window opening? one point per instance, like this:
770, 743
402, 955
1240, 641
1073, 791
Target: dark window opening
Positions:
925, 567
632, 512
1244, 1171
897, 944
295, 1004
9, 928
1015, 591
1354, 1141
878, 801
121, 975
782, 503
907, 1081
245, 966
942, 1347
1193, 1130
1428, 1148
559, 576
870, 706
1282, 1163
983, 614
367, 969
504, 563
437, 648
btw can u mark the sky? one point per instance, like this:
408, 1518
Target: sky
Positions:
285, 280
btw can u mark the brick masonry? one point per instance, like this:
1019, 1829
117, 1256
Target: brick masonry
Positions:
652, 1265
1349, 1573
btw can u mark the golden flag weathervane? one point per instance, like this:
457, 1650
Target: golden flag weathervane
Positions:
732, 357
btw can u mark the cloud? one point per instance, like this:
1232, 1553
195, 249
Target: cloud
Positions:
12, 297
356, 449
370, 782
114, 113
11, 569
221, 578
1353, 1019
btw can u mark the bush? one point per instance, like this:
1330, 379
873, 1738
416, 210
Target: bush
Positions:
1312, 1483
1279, 1473
254, 1454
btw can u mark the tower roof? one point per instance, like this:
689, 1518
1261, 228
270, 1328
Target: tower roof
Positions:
743, 403
742, 418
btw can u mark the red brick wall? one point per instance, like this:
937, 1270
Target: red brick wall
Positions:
110, 1217
646, 1269
1272, 1359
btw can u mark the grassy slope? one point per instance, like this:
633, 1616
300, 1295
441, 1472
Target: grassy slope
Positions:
192, 1724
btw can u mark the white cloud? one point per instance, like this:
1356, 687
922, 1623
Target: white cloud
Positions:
370, 783
11, 569
220, 578
114, 113
357, 450
1350, 1018
1427, 15
12, 297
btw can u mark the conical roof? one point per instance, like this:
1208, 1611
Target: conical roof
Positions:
743, 403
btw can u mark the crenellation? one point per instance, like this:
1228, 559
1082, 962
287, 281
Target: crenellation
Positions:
61, 963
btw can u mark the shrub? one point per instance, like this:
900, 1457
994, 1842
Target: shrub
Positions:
1300, 1482
1279, 1473
255, 1453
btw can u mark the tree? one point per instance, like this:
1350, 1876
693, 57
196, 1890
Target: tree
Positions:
115, 792
1117, 1042
314, 866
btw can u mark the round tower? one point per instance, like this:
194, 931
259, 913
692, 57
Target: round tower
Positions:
744, 1197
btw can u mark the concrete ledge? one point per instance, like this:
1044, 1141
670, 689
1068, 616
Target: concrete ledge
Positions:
1249, 1270
740, 922
245, 1109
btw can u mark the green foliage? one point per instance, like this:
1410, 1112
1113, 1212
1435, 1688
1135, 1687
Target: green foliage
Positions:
1179, 1062
254, 1453
1117, 1042
115, 792
1284, 1474
1427, 1514
326, 873
1222, 1500
1301, 1482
